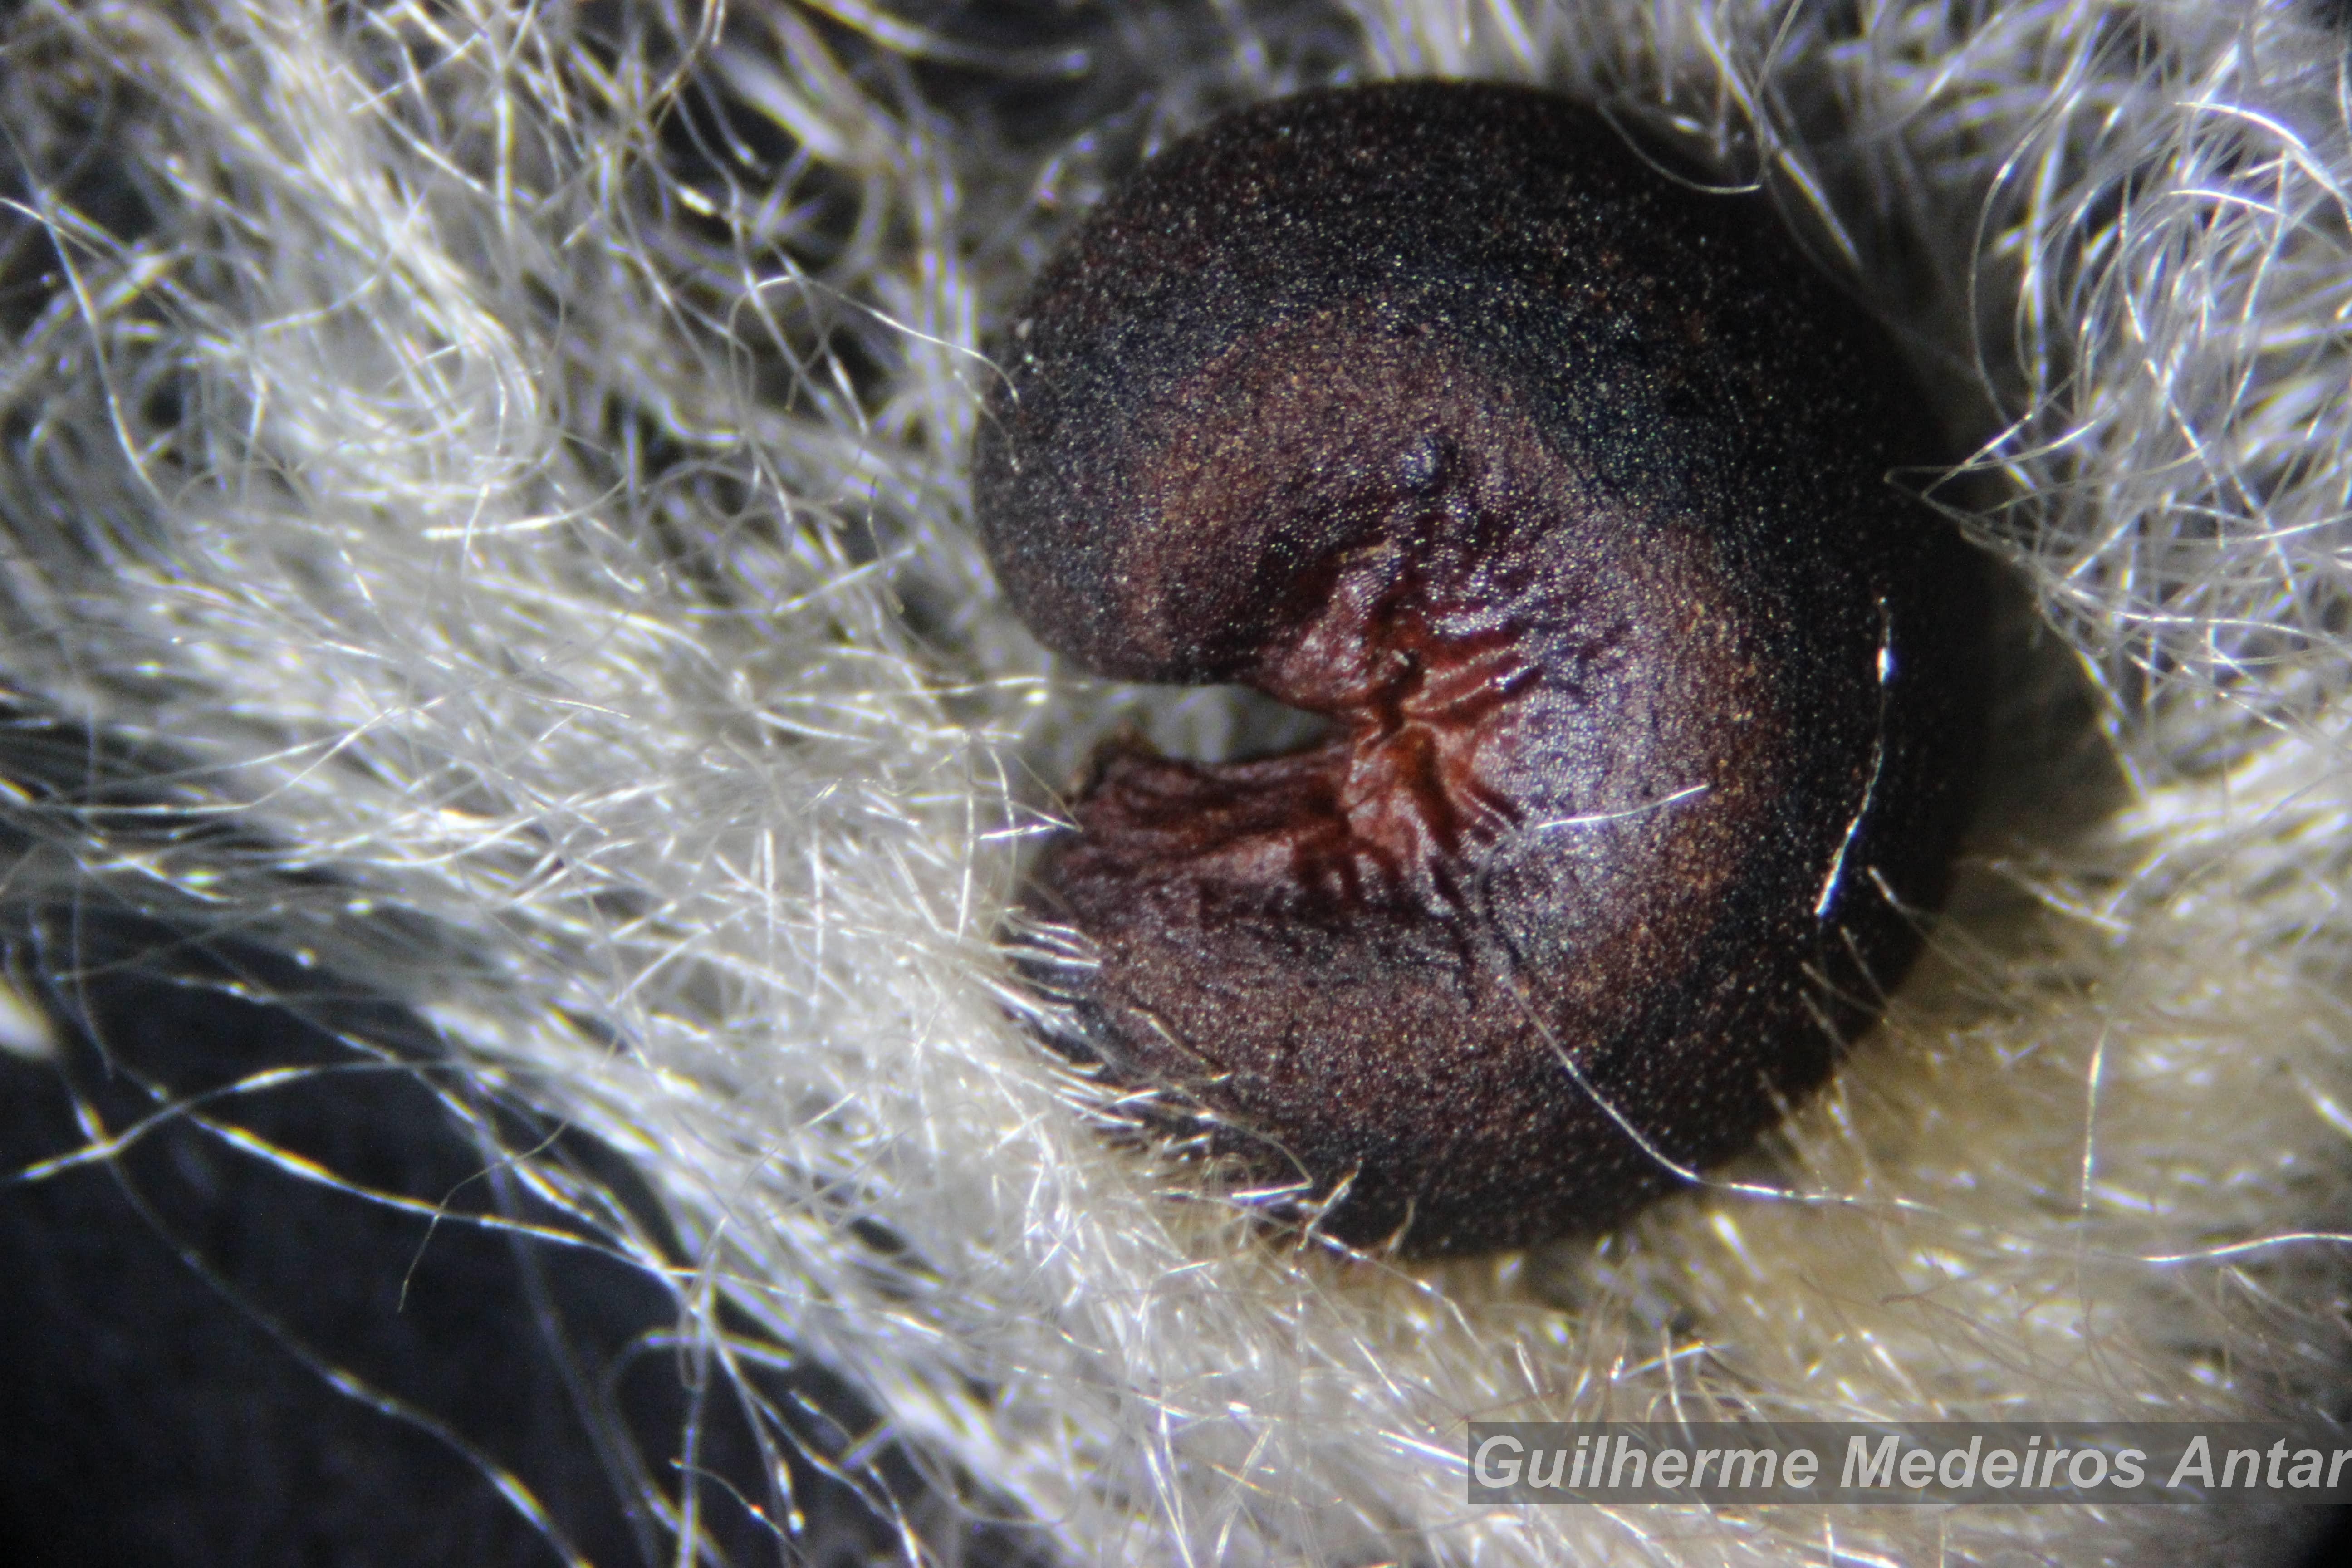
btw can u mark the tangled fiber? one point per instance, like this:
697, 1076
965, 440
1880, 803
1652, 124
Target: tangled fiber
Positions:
510, 757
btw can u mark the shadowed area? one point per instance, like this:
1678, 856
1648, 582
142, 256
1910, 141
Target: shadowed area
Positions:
248, 1337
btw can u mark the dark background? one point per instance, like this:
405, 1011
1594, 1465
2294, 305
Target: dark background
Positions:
208, 1356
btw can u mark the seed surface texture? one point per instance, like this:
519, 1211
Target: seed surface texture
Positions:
1563, 489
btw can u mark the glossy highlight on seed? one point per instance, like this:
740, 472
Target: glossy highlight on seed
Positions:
1562, 490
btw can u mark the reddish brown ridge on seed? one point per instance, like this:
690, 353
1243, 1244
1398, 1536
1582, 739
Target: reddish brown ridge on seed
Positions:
1561, 490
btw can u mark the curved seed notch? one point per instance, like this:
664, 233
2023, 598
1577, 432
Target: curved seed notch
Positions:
1562, 490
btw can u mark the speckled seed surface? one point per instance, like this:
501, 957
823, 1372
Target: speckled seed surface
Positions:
1563, 489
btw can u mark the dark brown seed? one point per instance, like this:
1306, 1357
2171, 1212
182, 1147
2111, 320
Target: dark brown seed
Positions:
1562, 490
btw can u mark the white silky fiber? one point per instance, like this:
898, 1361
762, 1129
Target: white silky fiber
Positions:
483, 517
